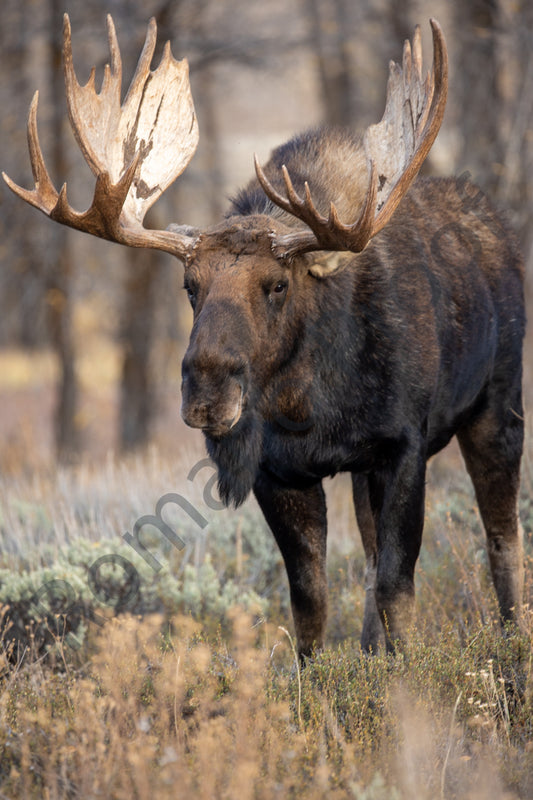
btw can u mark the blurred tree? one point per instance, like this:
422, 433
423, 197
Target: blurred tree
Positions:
477, 24
400, 20
515, 64
40, 284
58, 274
24, 44
138, 385
495, 97
346, 55
330, 31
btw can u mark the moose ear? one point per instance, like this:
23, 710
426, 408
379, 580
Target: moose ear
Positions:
323, 264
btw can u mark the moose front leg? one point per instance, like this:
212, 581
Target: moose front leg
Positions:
297, 518
397, 500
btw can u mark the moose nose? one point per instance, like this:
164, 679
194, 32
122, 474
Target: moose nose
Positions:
212, 394
202, 369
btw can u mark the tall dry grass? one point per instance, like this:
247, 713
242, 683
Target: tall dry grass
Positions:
159, 710
165, 705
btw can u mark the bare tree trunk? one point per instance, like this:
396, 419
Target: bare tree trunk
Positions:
479, 94
26, 61
400, 20
207, 112
58, 280
207, 103
515, 68
329, 32
137, 400
496, 65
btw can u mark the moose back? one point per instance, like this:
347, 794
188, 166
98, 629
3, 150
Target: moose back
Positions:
347, 317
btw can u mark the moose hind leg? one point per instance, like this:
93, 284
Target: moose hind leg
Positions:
492, 449
397, 499
373, 634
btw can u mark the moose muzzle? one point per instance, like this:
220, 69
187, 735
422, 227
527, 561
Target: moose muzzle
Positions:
213, 398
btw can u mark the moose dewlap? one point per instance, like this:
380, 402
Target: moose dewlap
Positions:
347, 317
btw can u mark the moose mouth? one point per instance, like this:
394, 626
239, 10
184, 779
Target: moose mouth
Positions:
218, 420
221, 429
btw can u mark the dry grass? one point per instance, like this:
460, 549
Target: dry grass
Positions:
158, 709
158, 705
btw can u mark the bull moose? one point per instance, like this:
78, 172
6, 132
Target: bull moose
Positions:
347, 318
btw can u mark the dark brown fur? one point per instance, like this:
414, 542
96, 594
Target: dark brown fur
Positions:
370, 370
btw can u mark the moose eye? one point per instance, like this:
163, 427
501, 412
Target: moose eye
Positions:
191, 293
278, 291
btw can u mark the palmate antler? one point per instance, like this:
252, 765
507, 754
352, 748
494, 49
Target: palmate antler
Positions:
395, 149
135, 150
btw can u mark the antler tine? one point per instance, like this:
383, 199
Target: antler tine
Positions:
326, 233
269, 190
293, 204
145, 59
44, 196
303, 208
40, 173
417, 52
135, 150
395, 150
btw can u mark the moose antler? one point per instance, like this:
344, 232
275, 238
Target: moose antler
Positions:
395, 149
135, 150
